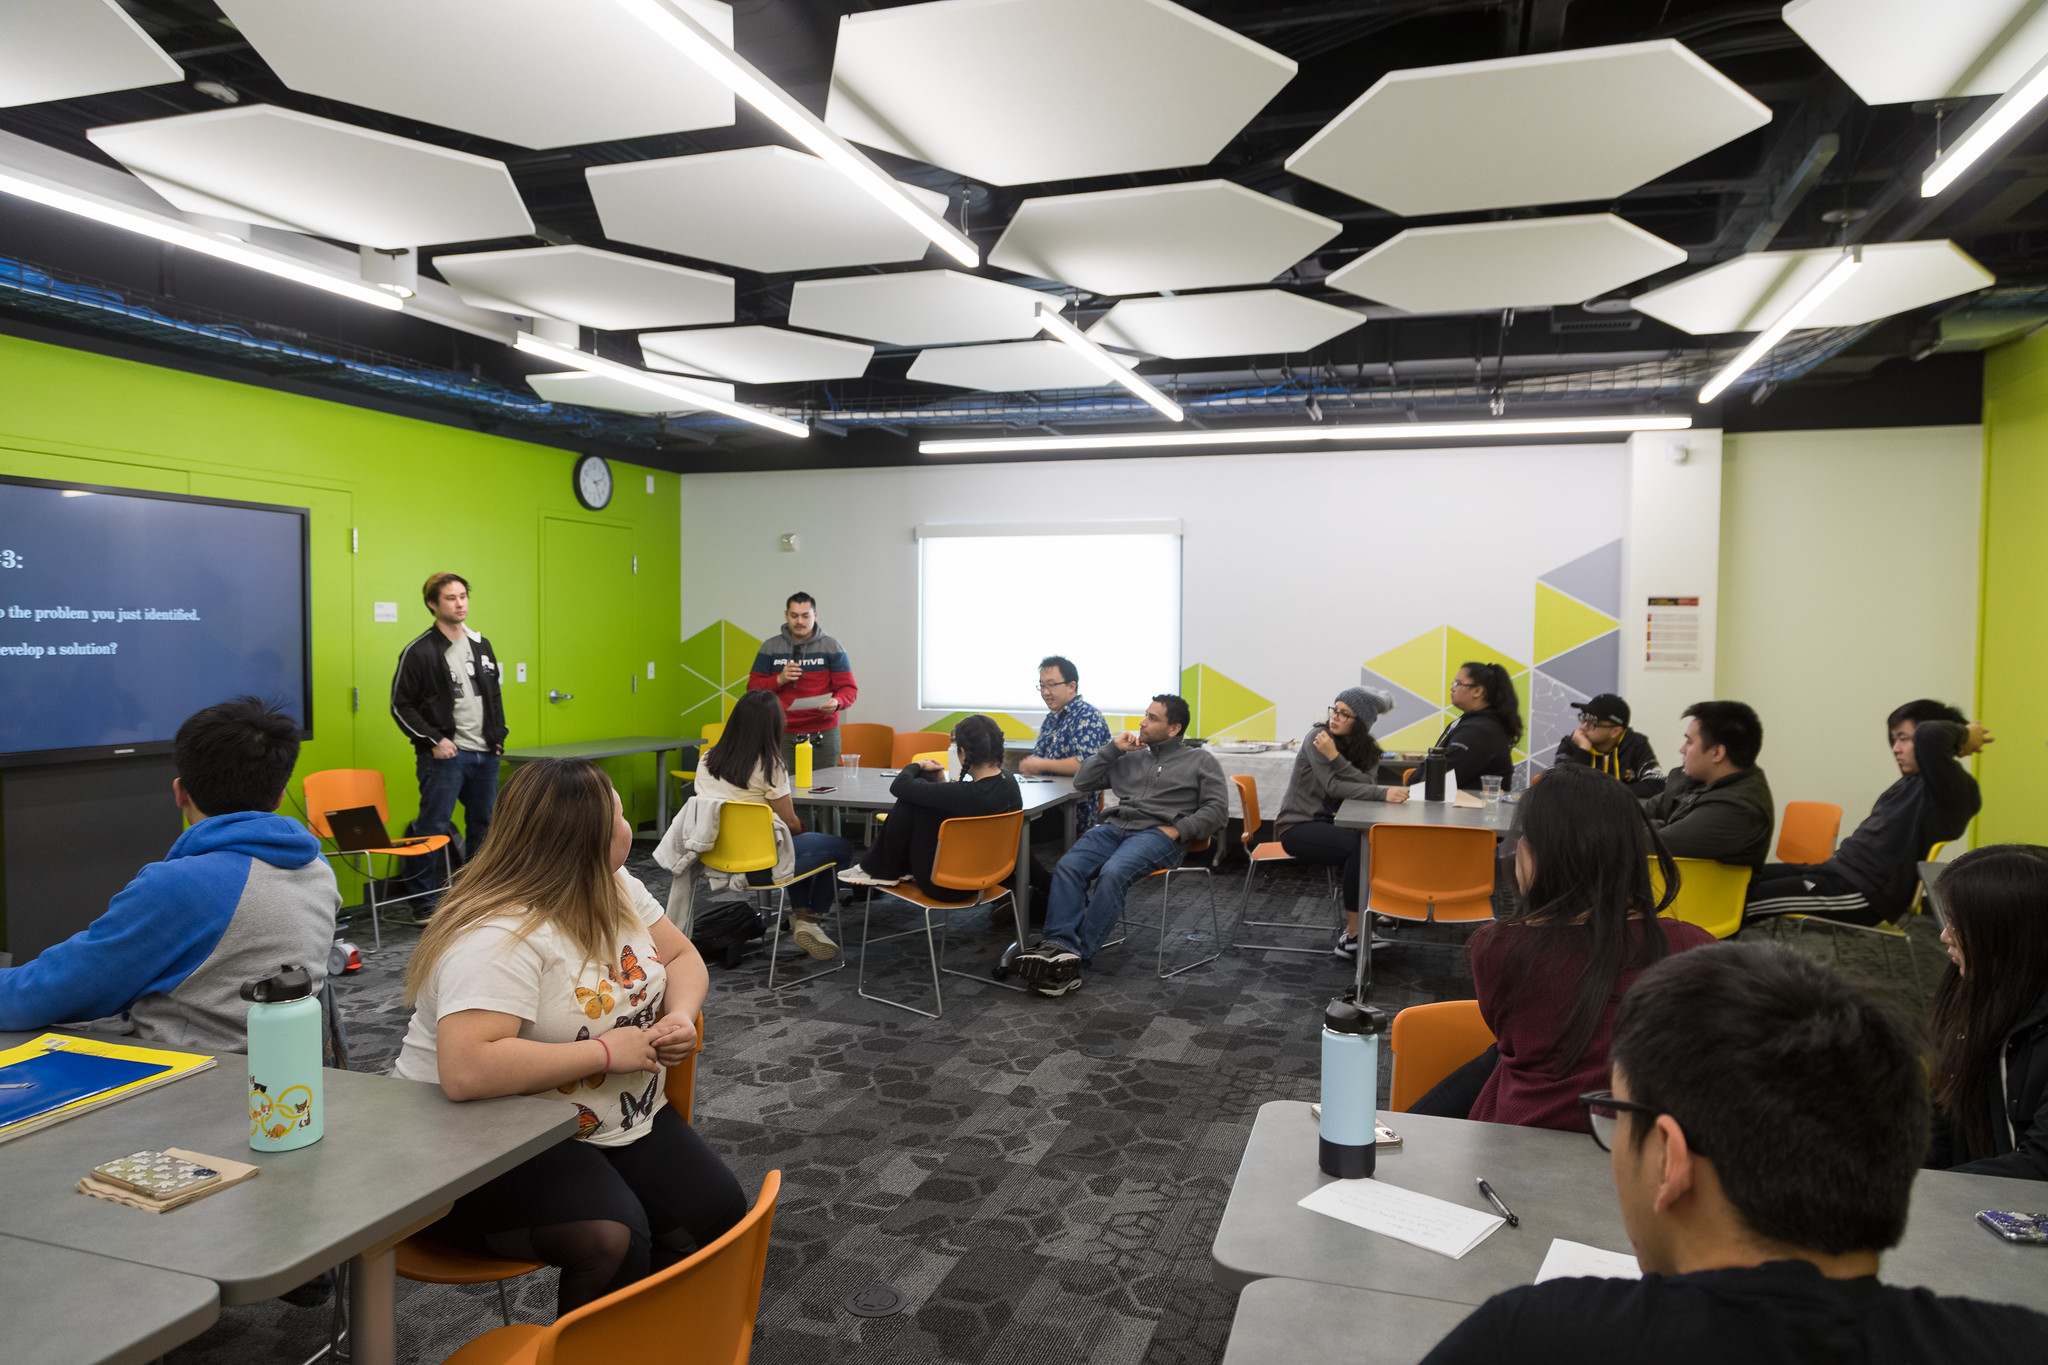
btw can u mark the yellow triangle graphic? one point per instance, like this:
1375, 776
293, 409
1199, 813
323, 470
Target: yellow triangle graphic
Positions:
1260, 726
1414, 738
1418, 666
1461, 649
739, 651
1220, 703
1564, 623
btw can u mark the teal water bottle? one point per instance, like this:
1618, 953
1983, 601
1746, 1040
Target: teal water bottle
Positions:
286, 1109
1351, 1087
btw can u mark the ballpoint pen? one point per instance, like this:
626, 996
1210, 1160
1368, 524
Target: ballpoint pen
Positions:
1495, 1200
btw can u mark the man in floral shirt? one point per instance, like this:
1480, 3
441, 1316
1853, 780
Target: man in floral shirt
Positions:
1072, 730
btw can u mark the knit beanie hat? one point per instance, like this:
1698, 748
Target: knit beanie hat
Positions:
1367, 703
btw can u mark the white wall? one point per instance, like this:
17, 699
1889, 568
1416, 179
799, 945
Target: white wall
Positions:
1673, 550
1849, 573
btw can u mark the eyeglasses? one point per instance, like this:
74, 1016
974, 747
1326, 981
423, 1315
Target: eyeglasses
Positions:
1337, 711
1597, 723
1603, 1117
1049, 686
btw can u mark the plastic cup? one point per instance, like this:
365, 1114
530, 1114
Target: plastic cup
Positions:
1489, 787
850, 764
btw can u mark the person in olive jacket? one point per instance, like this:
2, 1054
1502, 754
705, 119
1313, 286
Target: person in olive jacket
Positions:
1718, 804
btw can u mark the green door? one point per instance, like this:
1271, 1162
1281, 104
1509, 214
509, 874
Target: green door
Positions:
587, 681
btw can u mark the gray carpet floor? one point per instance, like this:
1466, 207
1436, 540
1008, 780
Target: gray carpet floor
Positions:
1040, 1179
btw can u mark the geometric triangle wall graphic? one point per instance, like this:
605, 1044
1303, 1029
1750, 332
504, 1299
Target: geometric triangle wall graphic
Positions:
1591, 668
1564, 623
1223, 708
1460, 649
1012, 727
1553, 715
715, 662
1594, 578
1409, 708
1417, 666
1414, 738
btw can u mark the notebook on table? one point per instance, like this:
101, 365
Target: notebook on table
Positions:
52, 1078
360, 829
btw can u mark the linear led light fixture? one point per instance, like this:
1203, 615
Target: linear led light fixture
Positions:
641, 379
218, 245
1850, 261
736, 73
1981, 136
1059, 329
1378, 431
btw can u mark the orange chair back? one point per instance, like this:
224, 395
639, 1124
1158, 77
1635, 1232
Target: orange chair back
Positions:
343, 789
1808, 834
1430, 1042
679, 1086
977, 851
1432, 872
1248, 802
907, 745
702, 1307
875, 744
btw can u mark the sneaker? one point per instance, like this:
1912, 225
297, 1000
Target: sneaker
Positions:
1346, 949
857, 875
1048, 963
1067, 987
812, 938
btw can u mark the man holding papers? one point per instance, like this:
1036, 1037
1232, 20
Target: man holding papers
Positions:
809, 673
1765, 1126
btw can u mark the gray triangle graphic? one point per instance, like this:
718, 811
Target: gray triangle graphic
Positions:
1594, 667
1594, 578
1553, 714
1409, 707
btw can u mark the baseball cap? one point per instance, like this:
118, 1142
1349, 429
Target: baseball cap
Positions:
1607, 707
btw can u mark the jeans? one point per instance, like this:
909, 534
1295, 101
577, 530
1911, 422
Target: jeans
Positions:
469, 775
816, 896
1113, 858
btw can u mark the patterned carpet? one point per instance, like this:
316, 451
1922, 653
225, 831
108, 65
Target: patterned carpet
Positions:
1041, 1179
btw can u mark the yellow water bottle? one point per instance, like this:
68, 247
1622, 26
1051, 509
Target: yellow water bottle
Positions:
803, 763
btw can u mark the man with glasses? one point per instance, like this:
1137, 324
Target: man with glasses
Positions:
1765, 1126
1604, 743
1071, 731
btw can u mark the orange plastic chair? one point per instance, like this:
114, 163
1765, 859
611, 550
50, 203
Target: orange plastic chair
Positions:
908, 744
1427, 873
874, 744
1430, 1042
1270, 852
746, 843
1808, 834
975, 853
345, 789
700, 1311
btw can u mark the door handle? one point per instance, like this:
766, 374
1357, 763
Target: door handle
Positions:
557, 698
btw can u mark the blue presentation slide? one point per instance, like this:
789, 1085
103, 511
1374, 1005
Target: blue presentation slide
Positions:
124, 614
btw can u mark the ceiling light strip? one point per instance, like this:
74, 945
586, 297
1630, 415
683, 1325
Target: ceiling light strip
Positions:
1986, 133
218, 245
668, 21
1847, 265
1381, 431
684, 395
1059, 329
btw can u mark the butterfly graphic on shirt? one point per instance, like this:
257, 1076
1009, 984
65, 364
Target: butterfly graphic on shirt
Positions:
596, 1003
630, 970
586, 1122
593, 1080
632, 1109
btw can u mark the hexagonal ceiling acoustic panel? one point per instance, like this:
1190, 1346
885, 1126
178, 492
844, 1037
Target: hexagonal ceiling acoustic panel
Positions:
1892, 51
615, 395
581, 284
262, 164
1748, 293
64, 49
1193, 236
535, 73
1010, 367
1013, 92
1243, 322
1553, 128
919, 308
1525, 263
756, 355
760, 208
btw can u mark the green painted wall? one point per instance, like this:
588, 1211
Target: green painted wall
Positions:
2012, 653
422, 498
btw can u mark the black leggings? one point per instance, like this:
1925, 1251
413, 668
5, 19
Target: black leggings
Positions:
1454, 1095
1318, 841
600, 1212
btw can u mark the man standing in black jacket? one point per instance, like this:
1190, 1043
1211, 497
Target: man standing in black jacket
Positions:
445, 698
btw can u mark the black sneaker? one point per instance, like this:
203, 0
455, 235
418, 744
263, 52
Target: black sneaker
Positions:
1048, 963
1346, 948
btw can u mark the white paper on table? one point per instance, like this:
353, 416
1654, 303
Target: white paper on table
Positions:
1417, 1219
1566, 1260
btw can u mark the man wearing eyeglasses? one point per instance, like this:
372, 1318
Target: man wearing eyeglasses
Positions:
1604, 743
1071, 731
1765, 1126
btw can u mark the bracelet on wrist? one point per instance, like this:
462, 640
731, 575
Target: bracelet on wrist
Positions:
599, 1040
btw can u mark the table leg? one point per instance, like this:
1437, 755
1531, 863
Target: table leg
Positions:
661, 794
373, 1307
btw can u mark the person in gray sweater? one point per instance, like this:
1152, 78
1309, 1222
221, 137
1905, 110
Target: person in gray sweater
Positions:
1339, 761
1718, 804
1170, 797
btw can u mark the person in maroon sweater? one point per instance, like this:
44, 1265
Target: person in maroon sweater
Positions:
1548, 980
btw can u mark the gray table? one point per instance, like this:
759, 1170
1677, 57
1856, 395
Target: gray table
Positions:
1298, 1322
1561, 1186
616, 748
395, 1155
62, 1307
1498, 816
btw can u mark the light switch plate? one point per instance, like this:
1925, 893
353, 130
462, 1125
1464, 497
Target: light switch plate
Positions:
522, 672
650, 672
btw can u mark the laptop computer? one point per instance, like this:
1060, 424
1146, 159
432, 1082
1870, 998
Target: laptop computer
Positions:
359, 829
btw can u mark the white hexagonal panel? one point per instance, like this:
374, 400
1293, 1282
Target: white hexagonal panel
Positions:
756, 355
534, 73
63, 49
1013, 92
761, 208
581, 284
1525, 263
1553, 128
918, 308
1245, 322
1011, 367
1892, 51
1748, 293
262, 164
613, 395
1194, 236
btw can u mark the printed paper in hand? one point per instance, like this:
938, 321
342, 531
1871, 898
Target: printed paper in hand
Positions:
1418, 1219
1567, 1260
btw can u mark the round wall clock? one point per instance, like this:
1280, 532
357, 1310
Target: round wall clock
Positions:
593, 482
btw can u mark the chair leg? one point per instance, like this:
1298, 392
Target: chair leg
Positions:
1166, 920
861, 980
1023, 932
1237, 934
504, 1304
782, 914
370, 899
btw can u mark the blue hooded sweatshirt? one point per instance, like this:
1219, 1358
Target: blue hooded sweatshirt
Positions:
237, 897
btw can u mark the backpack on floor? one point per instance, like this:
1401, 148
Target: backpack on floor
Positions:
722, 932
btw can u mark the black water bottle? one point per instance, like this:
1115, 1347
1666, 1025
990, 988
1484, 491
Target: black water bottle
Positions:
1434, 764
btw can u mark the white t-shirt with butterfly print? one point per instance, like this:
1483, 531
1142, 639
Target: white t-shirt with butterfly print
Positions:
559, 997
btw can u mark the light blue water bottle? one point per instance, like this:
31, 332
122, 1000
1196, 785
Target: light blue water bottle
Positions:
286, 1109
1351, 1087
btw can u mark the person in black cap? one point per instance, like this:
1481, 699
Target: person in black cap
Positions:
1604, 743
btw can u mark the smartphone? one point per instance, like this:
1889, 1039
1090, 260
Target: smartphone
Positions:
157, 1174
2016, 1227
816, 791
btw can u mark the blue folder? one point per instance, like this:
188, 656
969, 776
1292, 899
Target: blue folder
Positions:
56, 1079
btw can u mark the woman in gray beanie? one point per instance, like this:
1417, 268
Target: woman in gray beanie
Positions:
1339, 761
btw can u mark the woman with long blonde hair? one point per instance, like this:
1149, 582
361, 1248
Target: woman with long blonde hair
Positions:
549, 970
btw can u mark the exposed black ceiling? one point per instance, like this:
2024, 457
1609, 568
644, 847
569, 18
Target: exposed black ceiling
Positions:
1784, 185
